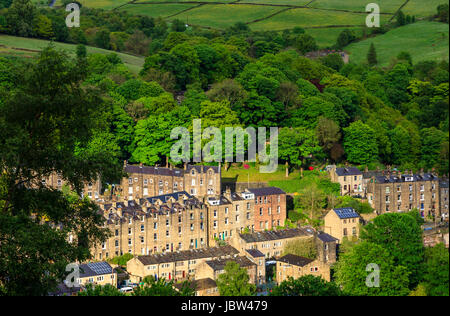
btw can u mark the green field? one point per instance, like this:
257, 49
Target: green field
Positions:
423, 40
29, 47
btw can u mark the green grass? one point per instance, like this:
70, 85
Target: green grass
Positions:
423, 40
326, 37
420, 9
134, 63
239, 174
224, 15
156, 10
387, 6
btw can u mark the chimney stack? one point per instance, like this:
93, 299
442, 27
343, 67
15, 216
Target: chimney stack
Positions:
140, 165
125, 163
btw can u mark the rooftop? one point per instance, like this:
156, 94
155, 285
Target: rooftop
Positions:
295, 260
255, 253
192, 254
275, 235
348, 171
325, 237
94, 269
346, 212
219, 264
266, 191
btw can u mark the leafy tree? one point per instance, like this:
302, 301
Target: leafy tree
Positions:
235, 281
20, 17
43, 27
372, 55
5, 3
334, 61
296, 145
305, 43
99, 290
303, 247
345, 38
328, 133
308, 285
351, 274
436, 270
178, 26
401, 19
432, 143
360, 143
102, 39
228, 90
161, 287
47, 123
404, 241
442, 12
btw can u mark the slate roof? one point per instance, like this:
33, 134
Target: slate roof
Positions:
403, 178
295, 260
266, 191
163, 171
94, 269
325, 237
348, 171
213, 252
255, 253
274, 235
443, 184
345, 212
219, 264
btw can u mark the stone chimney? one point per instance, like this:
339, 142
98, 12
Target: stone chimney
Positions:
185, 166
125, 163
167, 161
141, 165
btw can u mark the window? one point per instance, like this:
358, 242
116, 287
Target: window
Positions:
129, 241
354, 231
145, 181
142, 239
192, 227
142, 228
155, 225
345, 231
130, 180
129, 231
215, 224
155, 237
260, 211
116, 243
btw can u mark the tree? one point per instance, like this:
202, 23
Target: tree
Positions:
102, 39
43, 27
138, 43
345, 38
372, 55
436, 270
442, 12
20, 17
5, 3
178, 26
297, 144
47, 123
305, 43
334, 61
303, 248
162, 287
404, 241
99, 290
228, 90
308, 285
328, 133
401, 19
235, 281
360, 143
351, 273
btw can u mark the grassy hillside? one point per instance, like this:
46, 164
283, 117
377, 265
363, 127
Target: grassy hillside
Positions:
29, 47
423, 40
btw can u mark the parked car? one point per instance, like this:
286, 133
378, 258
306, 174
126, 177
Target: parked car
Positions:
126, 289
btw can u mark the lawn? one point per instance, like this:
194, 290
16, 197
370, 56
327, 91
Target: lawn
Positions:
386, 6
239, 174
423, 40
156, 10
326, 37
9, 45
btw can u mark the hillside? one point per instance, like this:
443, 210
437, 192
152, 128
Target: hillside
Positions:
323, 19
28, 47
423, 40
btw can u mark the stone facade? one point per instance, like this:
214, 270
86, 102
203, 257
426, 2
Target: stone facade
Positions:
178, 266
296, 267
269, 243
269, 208
398, 193
342, 223
144, 181
350, 179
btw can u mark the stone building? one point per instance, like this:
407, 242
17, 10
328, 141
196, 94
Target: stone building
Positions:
144, 181
342, 223
97, 273
269, 208
296, 266
166, 223
202, 287
93, 189
395, 192
213, 268
350, 179
229, 214
178, 266
269, 243
326, 247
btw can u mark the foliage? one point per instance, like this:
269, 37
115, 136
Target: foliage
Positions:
161, 287
235, 281
307, 285
99, 290
436, 270
303, 248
